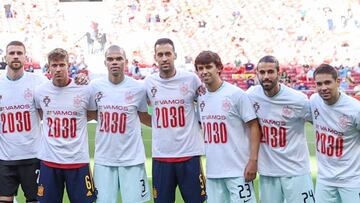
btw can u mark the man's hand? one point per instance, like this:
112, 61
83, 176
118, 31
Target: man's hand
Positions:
82, 79
250, 170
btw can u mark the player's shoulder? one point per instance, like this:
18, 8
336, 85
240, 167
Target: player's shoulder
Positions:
137, 85
3, 77
98, 80
44, 86
151, 76
351, 102
294, 94
254, 90
233, 90
314, 97
186, 73
134, 82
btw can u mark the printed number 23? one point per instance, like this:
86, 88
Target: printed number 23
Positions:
243, 189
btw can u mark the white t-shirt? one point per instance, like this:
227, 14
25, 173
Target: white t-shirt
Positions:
118, 130
175, 128
64, 130
283, 147
223, 115
337, 133
19, 121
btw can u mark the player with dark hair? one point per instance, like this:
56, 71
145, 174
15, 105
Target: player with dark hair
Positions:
284, 165
231, 151
176, 138
336, 121
20, 127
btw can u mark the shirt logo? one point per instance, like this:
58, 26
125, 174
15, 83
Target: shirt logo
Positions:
46, 101
28, 94
202, 106
129, 97
40, 191
153, 91
287, 112
184, 89
316, 113
98, 96
256, 107
77, 101
343, 121
226, 105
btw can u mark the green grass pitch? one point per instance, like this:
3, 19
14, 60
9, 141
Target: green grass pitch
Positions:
147, 142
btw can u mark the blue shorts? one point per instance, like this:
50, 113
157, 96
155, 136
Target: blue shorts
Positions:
331, 194
188, 175
293, 189
79, 184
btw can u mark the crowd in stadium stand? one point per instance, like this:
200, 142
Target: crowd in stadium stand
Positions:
301, 34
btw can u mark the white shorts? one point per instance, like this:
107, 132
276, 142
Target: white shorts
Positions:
130, 180
295, 189
220, 190
331, 194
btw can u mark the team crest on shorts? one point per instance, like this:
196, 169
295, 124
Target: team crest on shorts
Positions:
46, 101
40, 191
98, 96
28, 94
184, 89
129, 97
77, 101
287, 112
202, 106
153, 91
343, 121
89, 193
256, 107
226, 105
155, 193
316, 113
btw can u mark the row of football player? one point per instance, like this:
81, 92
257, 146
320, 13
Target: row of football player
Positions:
274, 142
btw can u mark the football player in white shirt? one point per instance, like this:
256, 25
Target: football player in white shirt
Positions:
336, 122
119, 151
63, 151
284, 166
231, 149
19, 127
176, 138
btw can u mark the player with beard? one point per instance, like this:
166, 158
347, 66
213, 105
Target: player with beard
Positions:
231, 151
336, 122
176, 138
64, 150
283, 156
119, 151
20, 127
